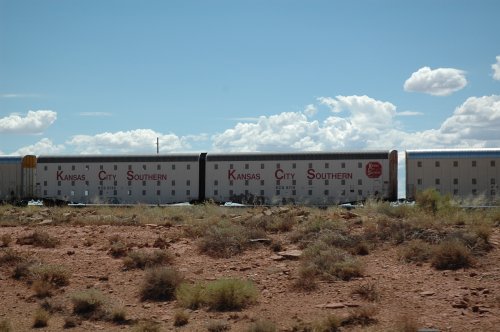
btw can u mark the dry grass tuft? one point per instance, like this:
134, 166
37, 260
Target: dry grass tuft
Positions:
218, 326
6, 240
160, 284
5, 326
89, 303
39, 239
451, 255
181, 318
367, 291
141, 259
262, 326
41, 318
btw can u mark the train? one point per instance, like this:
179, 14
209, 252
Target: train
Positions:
309, 178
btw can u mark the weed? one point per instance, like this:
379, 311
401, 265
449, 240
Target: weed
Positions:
224, 240
451, 255
331, 323
331, 263
217, 326
229, 294
22, 270
39, 239
55, 275
89, 303
147, 326
405, 323
262, 326
10, 256
141, 259
190, 295
52, 305
416, 251
181, 318
118, 315
363, 315
6, 240
307, 278
41, 318
367, 291
5, 325
42, 288
160, 284
430, 200
118, 249
70, 322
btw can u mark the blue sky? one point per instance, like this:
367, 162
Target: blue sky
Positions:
109, 76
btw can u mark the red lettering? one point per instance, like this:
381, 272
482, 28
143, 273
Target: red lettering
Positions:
230, 174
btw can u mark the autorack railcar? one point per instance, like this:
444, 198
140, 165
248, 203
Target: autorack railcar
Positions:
16, 177
148, 179
315, 178
461, 173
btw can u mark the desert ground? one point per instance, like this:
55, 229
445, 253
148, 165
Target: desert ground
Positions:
374, 268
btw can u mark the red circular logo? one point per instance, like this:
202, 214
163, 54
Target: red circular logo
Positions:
373, 169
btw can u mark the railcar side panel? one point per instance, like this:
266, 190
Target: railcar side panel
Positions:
305, 178
152, 179
10, 178
464, 174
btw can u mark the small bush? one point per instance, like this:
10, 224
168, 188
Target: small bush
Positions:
39, 239
42, 288
147, 326
181, 318
5, 326
331, 323
405, 323
217, 326
22, 270
118, 315
331, 263
229, 294
307, 278
361, 316
70, 322
367, 291
6, 240
141, 259
10, 256
416, 251
55, 275
451, 255
262, 326
190, 295
41, 318
118, 249
89, 303
430, 200
160, 284
224, 240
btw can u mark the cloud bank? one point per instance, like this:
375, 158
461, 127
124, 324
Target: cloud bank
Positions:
437, 82
35, 122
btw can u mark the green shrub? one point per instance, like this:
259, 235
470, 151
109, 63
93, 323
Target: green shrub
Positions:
6, 240
147, 326
416, 251
5, 326
39, 239
262, 326
224, 240
41, 318
89, 303
331, 323
307, 278
217, 326
118, 315
55, 275
430, 200
367, 291
451, 255
117, 246
229, 294
141, 259
331, 263
181, 318
160, 284
190, 295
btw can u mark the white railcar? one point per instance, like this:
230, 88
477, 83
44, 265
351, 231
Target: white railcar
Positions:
464, 174
305, 178
148, 179
16, 177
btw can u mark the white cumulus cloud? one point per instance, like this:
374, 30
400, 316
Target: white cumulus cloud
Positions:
437, 82
133, 141
496, 68
43, 147
35, 122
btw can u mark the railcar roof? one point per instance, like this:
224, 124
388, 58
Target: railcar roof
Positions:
10, 159
453, 153
119, 158
267, 156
